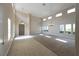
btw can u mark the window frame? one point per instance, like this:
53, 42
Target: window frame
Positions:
66, 30
62, 31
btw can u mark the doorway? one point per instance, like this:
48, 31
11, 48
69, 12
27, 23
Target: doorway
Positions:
21, 29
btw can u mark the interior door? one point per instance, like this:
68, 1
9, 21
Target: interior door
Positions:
21, 29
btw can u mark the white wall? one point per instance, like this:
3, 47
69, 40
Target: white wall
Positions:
32, 23
1, 29
57, 21
77, 30
25, 18
5, 13
35, 25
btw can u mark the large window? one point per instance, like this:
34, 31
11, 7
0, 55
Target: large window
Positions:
61, 28
45, 28
68, 28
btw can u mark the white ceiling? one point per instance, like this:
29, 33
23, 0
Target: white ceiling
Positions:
37, 9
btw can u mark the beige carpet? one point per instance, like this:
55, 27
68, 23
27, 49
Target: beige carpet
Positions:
59, 47
43, 45
29, 47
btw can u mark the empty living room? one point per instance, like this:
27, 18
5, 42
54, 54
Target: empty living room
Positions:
39, 29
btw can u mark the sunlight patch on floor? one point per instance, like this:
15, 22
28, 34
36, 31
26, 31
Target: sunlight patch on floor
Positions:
58, 39
48, 36
45, 35
41, 34
23, 37
61, 40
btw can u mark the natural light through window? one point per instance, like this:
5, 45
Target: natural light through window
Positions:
44, 19
71, 10
45, 28
61, 28
50, 17
61, 40
68, 28
41, 34
48, 36
9, 28
59, 14
23, 37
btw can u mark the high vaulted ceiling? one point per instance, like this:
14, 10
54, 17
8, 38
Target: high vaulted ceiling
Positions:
40, 10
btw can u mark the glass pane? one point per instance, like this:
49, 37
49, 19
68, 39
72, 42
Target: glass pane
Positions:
68, 28
45, 28
59, 14
61, 27
71, 10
